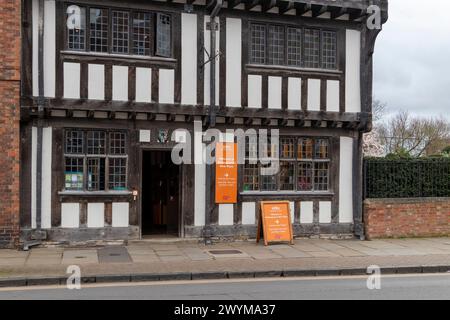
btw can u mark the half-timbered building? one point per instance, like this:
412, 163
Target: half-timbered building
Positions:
106, 83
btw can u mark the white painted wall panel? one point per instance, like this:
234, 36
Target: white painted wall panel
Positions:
143, 85
49, 48
306, 212
274, 96
226, 215
292, 208
96, 82
120, 214
70, 215
333, 96
346, 181
254, 91
325, 212
33, 175
234, 62
295, 93
96, 215
208, 66
71, 80
248, 213
35, 24
46, 216
166, 86
200, 180
120, 83
189, 58
352, 72
313, 94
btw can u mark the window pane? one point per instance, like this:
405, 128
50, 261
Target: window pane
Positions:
305, 149
258, 42
163, 35
287, 148
294, 47
74, 142
76, 28
312, 48
287, 173
74, 168
141, 34
120, 28
96, 174
99, 30
304, 182
96, 142
117, 143
269, 183
321, 176
117, 173
329, 50
251, 147
251, 177
321, 149
276, 45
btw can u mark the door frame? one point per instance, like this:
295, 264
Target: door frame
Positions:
180, 188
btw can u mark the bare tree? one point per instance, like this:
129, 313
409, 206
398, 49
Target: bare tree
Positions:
378, 109
412, 135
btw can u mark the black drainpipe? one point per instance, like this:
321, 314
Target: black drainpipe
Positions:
209, 198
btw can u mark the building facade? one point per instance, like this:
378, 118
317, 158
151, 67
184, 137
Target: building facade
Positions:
113, 85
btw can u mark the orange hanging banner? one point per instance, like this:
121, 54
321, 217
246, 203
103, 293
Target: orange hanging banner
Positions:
275, 219
226, 173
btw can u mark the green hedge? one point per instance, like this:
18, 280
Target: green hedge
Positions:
407, 178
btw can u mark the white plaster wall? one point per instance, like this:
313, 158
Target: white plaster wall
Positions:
200, 180
143, 85
295, 93
226, 214
120, 83
35, 47
306, 212
47, 173
207, 69
71, 80
120, 214
248, 213
33, 175
325, 212
96, 82
49, 48
274, 96
292, 209
352, 71
254, 91
166, 86
234, 62
346, 181
333, 96
96, 215
189, 58
70, 215
314, 94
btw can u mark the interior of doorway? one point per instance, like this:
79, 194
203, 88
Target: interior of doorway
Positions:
160, 195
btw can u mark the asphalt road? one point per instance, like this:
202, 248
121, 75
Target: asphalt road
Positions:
392, 287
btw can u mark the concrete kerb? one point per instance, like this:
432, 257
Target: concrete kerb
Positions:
213, 275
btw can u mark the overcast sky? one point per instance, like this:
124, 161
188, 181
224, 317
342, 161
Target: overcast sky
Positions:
412, 58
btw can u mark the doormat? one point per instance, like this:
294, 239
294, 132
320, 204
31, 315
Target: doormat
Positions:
230, 251
113, 255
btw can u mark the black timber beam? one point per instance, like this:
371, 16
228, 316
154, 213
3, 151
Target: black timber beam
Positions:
251, 4
318, 10
285, 6
266, 5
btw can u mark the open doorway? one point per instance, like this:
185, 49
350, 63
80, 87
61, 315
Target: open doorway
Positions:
160, 195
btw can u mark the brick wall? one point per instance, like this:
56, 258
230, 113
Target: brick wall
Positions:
10, 43
416, 217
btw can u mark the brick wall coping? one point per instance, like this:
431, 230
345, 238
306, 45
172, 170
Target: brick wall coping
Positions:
406, 200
